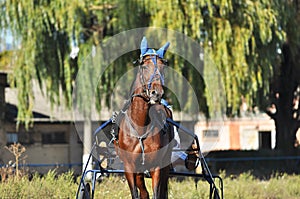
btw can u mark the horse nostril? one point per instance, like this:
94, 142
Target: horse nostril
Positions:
154, 92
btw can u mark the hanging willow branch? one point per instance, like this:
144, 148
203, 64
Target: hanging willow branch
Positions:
45, 32
239, 38
233, 34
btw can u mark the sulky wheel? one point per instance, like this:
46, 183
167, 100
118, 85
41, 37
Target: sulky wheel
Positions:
216, 194
85, 191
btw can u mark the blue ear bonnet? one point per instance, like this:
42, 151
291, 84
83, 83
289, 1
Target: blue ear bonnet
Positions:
149, 51
159, 53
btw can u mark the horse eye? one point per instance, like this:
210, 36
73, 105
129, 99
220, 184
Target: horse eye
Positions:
146, 60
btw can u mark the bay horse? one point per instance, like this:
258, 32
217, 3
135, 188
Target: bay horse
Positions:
145, 140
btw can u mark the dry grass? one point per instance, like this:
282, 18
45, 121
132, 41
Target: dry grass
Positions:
244, 186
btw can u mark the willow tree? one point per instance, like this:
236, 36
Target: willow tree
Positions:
233, 34
285, 84
40, 27
46, 32
242, 38
48, 35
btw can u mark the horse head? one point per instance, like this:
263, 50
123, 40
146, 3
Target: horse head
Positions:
151, 71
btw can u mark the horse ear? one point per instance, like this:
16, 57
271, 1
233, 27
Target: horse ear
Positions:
161, 52
144, 46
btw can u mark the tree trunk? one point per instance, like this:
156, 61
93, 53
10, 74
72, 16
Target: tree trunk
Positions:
286, 124
285, 134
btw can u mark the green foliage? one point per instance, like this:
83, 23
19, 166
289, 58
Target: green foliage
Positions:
5, 58
47, 31
239, 36
44, 29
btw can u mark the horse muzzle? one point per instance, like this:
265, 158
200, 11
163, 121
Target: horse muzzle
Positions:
155, 96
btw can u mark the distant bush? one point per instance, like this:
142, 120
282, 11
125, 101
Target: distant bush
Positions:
12, 168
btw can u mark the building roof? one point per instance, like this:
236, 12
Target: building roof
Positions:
11, 112
44, 111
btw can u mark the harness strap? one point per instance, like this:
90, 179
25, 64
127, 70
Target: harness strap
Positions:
134, 133
142, 95
142, 145
117, 117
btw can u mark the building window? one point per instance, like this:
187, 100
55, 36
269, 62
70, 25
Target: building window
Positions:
54, 138
210, 133
24, 138
11, 138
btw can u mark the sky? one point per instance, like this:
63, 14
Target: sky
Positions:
6, 40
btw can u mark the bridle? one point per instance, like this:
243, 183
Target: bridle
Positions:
156, 75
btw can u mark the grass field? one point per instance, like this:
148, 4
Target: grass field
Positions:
244, 186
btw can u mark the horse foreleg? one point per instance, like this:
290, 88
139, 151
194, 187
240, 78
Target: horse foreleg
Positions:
140, 182
131, 177
160, 183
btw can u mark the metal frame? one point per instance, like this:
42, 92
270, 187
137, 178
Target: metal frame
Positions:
87, 192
